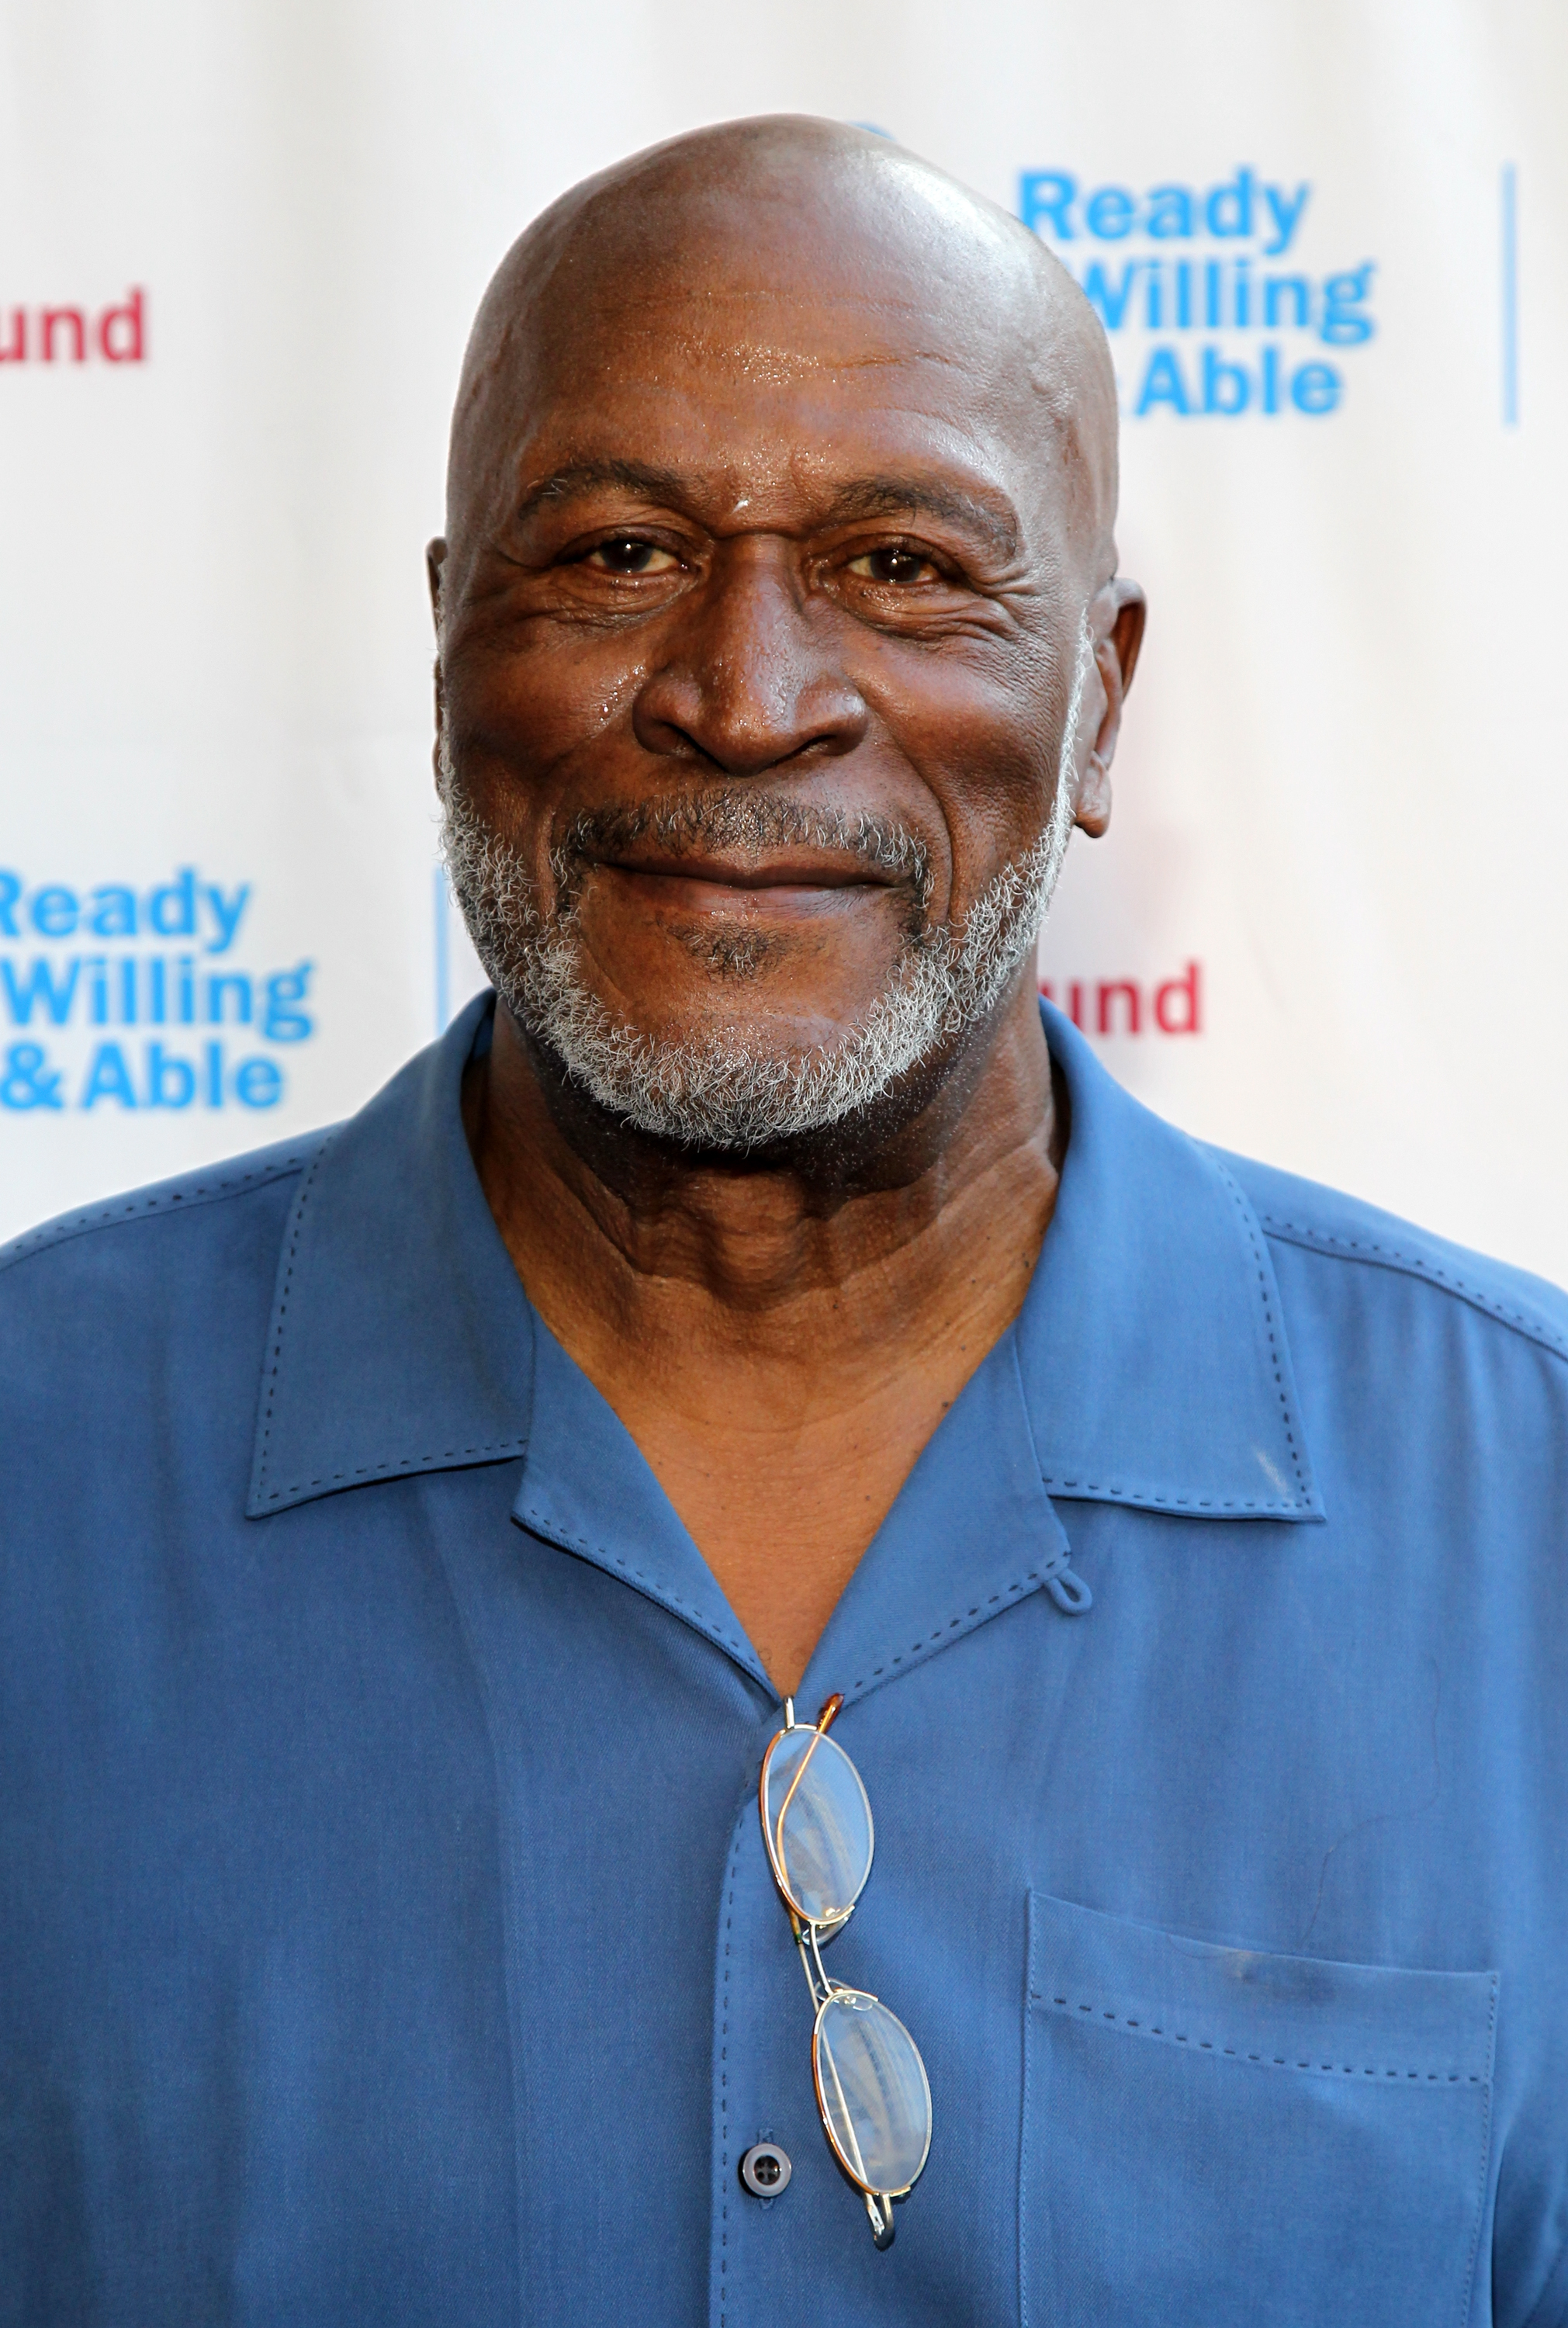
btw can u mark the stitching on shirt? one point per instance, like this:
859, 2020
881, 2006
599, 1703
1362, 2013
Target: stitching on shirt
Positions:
402, 1463
1250, 1224
141, 1207
265, 1449
509, 1951
1008, 1592
1464, 2312
656, 1589
1261, 1506
1026, 2182
394, 1466
1159, 1501
1266, 2061
1413, 1264
724, 2080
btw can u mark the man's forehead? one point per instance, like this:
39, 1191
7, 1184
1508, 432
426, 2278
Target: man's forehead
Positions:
692, 287
771, 388
781, 313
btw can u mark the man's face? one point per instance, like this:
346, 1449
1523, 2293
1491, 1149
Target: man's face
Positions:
759, 639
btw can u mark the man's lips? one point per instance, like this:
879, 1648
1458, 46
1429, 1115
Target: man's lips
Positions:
784, 883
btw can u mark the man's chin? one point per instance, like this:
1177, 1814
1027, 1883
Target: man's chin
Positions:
749, 1058
603, 1123
752, 1086
742, 1036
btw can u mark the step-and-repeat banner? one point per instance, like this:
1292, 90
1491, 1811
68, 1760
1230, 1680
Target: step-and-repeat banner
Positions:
239, 247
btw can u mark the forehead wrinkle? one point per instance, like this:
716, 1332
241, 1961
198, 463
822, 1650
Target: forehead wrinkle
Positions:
715, 311
776, 366
715, 314
755, 356
738, 322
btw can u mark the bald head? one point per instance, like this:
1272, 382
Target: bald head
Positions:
790, 244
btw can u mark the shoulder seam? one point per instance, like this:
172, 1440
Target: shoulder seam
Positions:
1375, 1255
141, 1205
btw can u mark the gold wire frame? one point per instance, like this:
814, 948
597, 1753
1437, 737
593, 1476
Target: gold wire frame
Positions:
807, 1932
853, 2173
776, 1860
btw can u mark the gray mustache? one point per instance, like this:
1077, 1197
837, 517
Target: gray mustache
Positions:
732, 817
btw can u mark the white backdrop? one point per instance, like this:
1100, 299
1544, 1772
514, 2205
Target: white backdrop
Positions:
239, 247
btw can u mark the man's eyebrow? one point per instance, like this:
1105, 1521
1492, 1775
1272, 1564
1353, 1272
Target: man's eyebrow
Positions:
650, 483
867, 497
928, 497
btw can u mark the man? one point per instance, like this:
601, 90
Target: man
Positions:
412, 1531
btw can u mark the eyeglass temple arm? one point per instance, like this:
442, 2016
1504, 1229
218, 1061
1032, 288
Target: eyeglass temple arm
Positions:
883, 2227
831, 1709
828, 1717
817, 1980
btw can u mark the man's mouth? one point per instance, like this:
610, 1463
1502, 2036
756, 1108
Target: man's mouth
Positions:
790, 883
748, 859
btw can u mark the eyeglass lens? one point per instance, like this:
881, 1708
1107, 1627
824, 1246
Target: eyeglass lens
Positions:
874, 2098
819, 1824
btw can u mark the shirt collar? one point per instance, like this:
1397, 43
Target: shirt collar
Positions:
971, 1532
1152, 1363
1151, 1341
402, 1339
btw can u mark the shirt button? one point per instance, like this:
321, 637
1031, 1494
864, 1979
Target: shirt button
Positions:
764, 2170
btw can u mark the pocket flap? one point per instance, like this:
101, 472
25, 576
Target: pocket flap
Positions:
1296, 2013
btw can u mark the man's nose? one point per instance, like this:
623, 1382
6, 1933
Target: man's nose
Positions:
748, 680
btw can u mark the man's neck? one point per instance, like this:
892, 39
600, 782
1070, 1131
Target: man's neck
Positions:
780, 1343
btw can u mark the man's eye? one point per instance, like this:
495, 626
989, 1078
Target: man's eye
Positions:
893, 566
626, 555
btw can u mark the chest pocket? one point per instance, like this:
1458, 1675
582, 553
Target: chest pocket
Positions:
1214, 2135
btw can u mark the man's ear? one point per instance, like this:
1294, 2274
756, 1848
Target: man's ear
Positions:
1126, 634
1116, 620
435, 558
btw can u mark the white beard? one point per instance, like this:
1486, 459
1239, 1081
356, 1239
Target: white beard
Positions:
727, 1090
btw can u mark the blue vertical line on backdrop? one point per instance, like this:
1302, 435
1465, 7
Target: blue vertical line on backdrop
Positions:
1510, 255
443, 956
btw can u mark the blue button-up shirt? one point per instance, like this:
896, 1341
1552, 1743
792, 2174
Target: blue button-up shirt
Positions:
386, 1935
